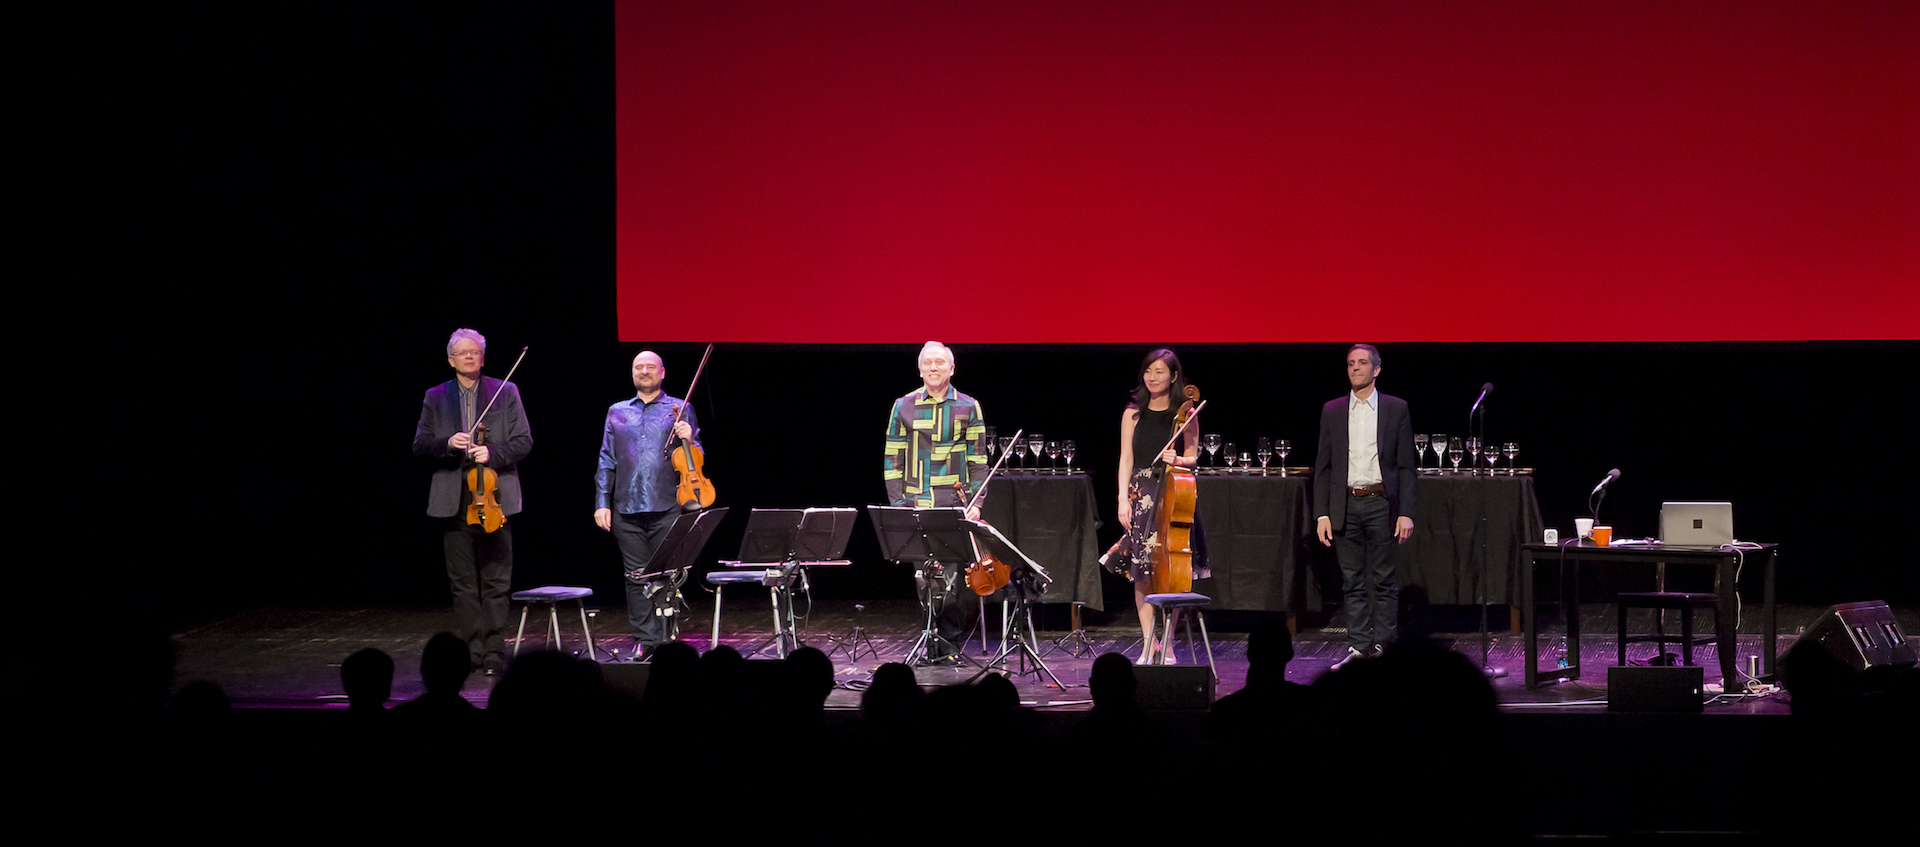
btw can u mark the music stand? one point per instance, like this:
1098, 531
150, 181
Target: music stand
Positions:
783, 543
1027, 579
670, 561
939, 547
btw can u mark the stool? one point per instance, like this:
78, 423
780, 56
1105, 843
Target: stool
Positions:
1683, 602
551, 595
1168, 607
720, 580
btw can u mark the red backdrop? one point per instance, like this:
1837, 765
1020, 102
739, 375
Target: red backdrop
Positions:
1164, 171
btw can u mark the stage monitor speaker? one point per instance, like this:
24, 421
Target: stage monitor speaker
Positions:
1174, 687
759, 678
1660, 689
1862, 635
627, 678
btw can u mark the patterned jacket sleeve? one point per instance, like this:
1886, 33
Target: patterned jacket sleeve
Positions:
894, 470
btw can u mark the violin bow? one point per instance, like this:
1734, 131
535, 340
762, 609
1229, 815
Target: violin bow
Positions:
1191, 417
996, 469
695, 381
496, 394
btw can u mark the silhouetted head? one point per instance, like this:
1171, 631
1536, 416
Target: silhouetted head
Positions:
444, 664
893, 697
809, 676
549, 689
1270, 643
368, 678
1112, 681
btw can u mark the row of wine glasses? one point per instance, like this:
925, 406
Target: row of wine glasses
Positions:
1034, 442
1264, 448
1457, 449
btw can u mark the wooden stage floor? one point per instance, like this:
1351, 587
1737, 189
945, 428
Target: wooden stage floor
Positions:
290, 657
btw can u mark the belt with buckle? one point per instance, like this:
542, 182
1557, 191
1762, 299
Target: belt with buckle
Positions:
1377, 489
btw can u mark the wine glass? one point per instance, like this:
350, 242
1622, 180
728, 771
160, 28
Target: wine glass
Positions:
1006, 445
1211, 441
1053, 454
1230, 450
1246, 461
1066, 449
1439, 443
1420, 450
1036, 443
1455, 452
1264, 449
993, 443
1493, 456
1473, 447
1283, 447
1511, 449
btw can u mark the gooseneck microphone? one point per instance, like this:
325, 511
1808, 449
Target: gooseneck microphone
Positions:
1611, 476
1484, 391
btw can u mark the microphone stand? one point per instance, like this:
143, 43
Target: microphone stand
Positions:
1480, 577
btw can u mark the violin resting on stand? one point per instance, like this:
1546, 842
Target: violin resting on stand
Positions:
988, 574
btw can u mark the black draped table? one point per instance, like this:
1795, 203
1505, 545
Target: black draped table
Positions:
1257, 530
1461, 521
1259, 537
1052, 520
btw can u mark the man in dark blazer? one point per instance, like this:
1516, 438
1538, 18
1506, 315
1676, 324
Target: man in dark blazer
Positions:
479, 563
1363, 478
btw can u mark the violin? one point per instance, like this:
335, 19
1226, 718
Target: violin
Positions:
1173, 556
988, 574
483, 484
694, 490
483, 488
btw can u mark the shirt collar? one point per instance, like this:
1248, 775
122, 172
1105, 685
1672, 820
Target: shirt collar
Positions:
1372, 401
923, 397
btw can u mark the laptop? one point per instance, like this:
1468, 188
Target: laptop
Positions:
1696, 523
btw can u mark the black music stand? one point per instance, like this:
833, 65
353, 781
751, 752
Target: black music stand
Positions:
670, 561
939, 547
1028, 580
782, 544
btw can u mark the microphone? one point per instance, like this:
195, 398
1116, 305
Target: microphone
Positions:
1484, 391
1611, 476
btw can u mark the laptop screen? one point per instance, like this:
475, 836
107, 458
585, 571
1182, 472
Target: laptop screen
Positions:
1696, 523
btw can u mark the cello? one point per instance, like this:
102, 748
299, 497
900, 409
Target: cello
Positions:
483, 484
1173, 520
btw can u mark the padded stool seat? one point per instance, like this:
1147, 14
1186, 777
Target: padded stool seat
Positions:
1167, 607
1683, 602
550, 596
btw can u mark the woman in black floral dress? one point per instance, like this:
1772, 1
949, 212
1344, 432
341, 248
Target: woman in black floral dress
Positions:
1145, 427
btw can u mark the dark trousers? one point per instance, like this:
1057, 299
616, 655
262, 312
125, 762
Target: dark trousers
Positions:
954, 607
639, 535
1371, 593
480, 572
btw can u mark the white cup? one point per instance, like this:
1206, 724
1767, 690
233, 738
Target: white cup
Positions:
1583, 527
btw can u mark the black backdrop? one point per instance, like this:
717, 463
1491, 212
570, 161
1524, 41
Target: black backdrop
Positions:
286, 211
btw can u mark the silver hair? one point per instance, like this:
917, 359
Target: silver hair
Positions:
935, 345
463, 332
